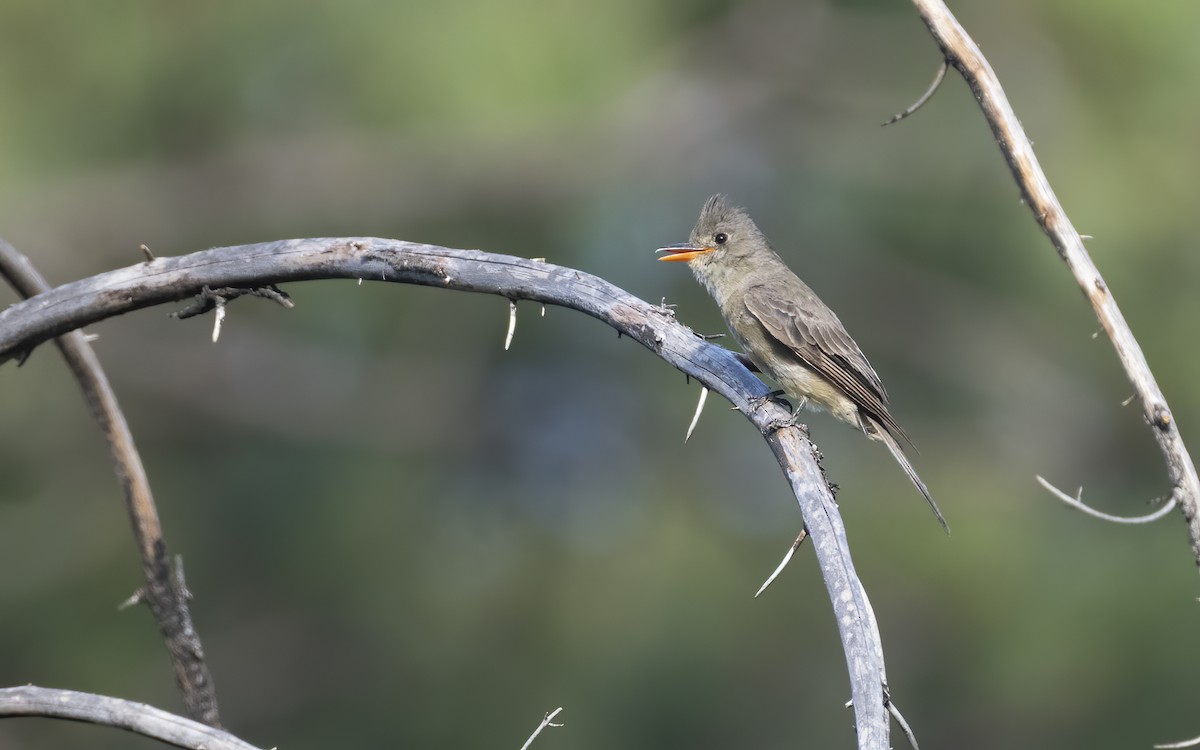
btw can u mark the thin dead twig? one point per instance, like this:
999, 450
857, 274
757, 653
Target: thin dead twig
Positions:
208, 298
1078, 504
904, 727
938, 77
547, 721
165, 593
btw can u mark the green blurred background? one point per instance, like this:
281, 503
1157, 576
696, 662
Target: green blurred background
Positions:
400, 535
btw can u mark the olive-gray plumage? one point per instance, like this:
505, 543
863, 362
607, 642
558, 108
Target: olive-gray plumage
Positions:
786, 330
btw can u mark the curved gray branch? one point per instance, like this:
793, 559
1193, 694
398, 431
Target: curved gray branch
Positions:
164, 593
114, 712
962, 52
68, 307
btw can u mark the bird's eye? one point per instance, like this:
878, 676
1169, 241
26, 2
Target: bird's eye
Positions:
720, 238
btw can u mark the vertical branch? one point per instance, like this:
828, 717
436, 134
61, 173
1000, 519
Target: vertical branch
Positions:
961, 52
164, 593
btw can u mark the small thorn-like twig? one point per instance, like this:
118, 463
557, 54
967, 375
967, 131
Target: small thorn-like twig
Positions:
787, 558
180, 582
696, 416
1193, 742
904, 727
1078, 504
665, 309
711, 336
933, 87
1129, 400
512, 323
543, 310
547, 721
146, 251
218, 319
135, 598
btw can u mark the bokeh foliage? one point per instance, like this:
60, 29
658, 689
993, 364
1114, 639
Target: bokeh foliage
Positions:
400, 535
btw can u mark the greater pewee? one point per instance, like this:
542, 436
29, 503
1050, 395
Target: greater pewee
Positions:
786, 330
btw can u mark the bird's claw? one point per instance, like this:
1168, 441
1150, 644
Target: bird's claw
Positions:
758, 402
775, 425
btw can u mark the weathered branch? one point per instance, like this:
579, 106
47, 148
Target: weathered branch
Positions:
164, 593
120, 714
34, 321
961, 51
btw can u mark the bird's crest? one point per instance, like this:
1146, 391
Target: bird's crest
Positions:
717, 210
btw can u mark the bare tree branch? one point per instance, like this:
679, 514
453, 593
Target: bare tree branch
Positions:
114, 712
165, 593
27, 324
961, 51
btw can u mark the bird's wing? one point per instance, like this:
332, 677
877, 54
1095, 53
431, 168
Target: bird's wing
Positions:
813, 332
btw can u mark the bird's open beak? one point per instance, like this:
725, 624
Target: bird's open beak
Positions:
684, 251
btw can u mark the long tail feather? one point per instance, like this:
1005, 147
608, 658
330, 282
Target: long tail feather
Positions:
898, 454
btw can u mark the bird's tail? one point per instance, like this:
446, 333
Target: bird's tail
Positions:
898, 453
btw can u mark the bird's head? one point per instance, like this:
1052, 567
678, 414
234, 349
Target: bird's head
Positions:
724, 237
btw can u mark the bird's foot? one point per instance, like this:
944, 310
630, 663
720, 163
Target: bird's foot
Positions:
792, 420
775, 425
758, 402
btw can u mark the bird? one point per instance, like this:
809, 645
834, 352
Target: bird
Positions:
785, 329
